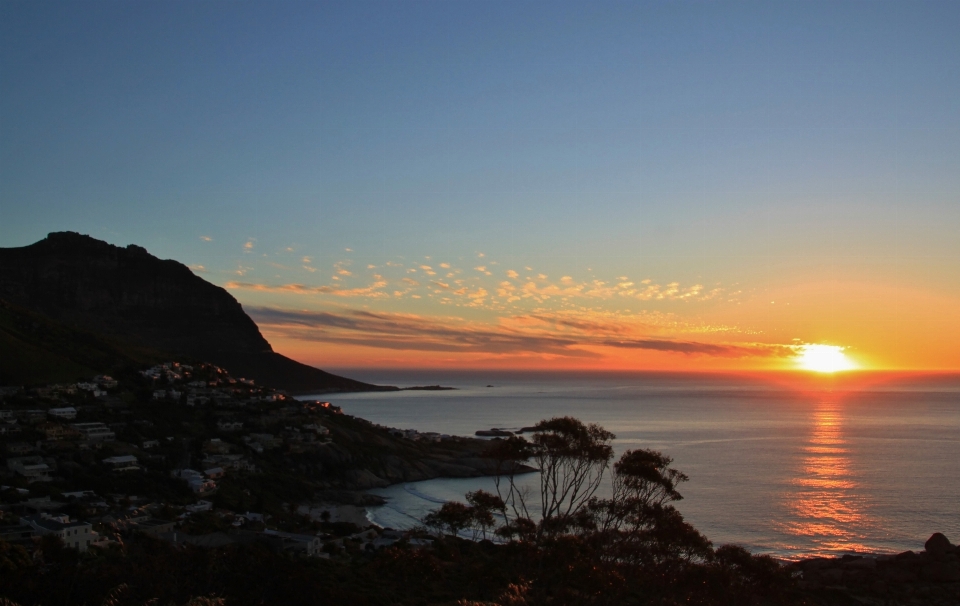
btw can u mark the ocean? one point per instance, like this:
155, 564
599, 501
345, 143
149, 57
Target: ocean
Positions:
782, 464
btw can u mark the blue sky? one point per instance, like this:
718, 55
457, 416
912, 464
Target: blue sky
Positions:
751, 145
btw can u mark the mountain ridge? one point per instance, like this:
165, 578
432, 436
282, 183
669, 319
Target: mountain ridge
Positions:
127, 295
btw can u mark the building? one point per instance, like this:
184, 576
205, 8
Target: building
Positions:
289, 541
35, 469
153, 526
32, 417
95, 432
122, 463
195, 480
78, 535
106, 382
68, 413
55, 431
17, 534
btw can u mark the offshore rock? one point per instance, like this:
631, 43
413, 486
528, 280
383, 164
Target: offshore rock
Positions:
937, 544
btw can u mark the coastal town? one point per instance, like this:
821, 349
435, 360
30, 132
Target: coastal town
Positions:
186, 454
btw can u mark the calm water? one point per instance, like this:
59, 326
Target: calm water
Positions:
779, 465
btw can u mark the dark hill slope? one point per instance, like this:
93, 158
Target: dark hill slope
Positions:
128, 295
36, 350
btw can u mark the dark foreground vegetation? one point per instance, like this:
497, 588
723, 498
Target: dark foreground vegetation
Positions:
563, 571
557, 545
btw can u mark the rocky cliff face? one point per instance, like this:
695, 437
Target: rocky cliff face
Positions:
130, 295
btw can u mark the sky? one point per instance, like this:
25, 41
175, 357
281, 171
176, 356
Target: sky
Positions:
550, 185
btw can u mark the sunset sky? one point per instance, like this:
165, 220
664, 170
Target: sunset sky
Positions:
645, 185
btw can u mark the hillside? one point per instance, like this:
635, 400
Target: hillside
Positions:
125, 300
36, 350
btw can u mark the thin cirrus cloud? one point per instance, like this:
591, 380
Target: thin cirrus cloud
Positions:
373, 290
530, 334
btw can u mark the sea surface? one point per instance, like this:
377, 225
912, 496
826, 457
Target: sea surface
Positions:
784, 464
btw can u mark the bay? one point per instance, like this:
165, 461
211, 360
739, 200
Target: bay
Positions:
785, 464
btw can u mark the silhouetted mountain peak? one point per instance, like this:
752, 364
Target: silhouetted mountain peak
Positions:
128, 294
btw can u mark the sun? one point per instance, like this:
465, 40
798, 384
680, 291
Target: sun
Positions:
823, 358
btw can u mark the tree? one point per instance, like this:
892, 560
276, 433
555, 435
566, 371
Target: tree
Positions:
451, 518
572, 458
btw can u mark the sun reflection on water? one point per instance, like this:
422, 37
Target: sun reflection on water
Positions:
825, 504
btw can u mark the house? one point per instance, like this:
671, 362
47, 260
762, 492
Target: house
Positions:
19, 448
252, 517
67, 413
148, 444
195, 400
9, 391
317, 428
265, 440
81, 494
289, 541
106, 382
215, 473
122, 463
17, 533
199, 506
55, 431
95, 432
153, 526
223, 425
78, 535
7, 416
195, 480
32, 417
216, 446
35, 469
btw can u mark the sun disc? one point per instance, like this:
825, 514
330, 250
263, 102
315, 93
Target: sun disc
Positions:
824, 358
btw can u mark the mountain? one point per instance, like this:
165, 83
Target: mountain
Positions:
127, 301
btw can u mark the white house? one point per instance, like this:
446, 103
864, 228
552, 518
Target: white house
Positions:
78, 535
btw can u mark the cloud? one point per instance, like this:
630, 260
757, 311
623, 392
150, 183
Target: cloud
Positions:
206, 238
249, 245
533, 333
751, 350
407, 332
512, 274
197, 269
373, 290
